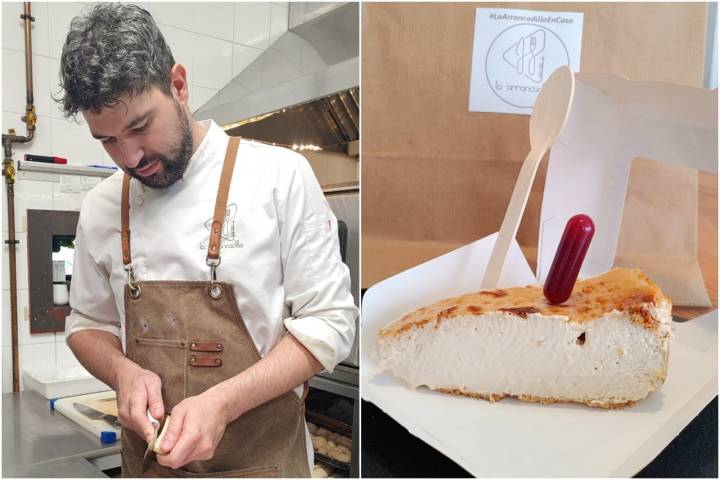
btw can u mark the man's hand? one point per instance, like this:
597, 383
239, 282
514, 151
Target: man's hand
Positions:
137, 390
197, 425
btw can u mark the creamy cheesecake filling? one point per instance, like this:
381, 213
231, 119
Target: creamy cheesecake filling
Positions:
608, 360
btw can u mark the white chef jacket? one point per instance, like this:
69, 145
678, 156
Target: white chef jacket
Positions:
279, 247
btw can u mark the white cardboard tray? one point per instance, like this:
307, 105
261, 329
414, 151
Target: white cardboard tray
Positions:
517, 439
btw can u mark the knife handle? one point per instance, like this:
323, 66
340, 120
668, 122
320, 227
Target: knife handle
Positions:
112, 420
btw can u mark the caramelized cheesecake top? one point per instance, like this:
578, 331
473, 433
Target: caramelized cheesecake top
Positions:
624, 290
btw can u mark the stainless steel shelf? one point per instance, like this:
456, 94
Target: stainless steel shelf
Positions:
64, 169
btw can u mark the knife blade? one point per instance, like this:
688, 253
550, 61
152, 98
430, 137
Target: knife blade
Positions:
97, 414
147, 458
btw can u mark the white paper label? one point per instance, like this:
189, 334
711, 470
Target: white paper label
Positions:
515, 51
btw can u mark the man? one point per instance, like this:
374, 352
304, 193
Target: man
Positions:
207, 276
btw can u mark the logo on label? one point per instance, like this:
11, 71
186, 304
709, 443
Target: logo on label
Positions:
228, 234
520, 59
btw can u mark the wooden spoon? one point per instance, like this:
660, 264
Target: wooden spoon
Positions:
548, 118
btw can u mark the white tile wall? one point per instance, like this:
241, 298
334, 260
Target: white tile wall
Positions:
252, 24
175, 14
7, 369
20, 261
65, 200
278, 21
13, 27
55, 110
13, 82
181, 43
215, 42
199, 96
65, 357
214, 19
6, 329
212, 60
107, 160
60, 13
4, 217
74, 142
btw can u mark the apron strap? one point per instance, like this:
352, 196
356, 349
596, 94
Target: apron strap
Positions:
306, 390
213, 257
125, 220
218, 217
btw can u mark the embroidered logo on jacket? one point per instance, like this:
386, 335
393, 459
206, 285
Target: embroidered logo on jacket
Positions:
228, 234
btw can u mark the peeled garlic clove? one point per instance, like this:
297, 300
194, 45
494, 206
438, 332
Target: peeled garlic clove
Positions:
161, 437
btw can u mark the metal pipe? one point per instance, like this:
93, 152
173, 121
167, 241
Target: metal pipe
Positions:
30, 119
9, 174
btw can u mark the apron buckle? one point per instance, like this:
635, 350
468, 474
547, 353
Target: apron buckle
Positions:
215, 290
134, 287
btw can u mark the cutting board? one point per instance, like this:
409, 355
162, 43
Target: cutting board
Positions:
105, 402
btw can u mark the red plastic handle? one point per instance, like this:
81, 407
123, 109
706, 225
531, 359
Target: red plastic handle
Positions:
569, 258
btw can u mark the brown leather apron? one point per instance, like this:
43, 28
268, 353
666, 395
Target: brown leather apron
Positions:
192, 335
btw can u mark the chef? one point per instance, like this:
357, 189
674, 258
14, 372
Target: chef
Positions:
207, 279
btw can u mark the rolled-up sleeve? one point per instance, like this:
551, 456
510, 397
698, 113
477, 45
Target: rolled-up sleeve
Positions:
91, 297
315, 280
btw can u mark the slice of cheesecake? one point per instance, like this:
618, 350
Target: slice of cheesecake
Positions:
606, 346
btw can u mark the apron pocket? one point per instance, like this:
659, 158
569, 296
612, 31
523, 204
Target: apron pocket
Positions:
167, 358
132, 467
269, 471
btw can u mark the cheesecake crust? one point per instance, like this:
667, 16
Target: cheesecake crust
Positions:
494, 397
620, 289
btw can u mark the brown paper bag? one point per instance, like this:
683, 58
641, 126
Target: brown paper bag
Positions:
436, 176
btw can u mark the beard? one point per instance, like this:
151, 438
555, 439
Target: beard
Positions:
173, 167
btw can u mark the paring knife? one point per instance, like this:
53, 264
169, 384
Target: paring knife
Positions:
97, 414
147, 458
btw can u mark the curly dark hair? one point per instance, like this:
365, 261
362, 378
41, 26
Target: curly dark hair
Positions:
111, 50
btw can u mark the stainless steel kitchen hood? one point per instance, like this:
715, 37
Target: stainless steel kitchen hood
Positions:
318, 57
329, 123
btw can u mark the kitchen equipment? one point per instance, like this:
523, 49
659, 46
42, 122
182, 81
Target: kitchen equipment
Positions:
147, 458
332, 425
97, 414
58, 382
345, 204
548, 118
310, 67
336, 396
104, 402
